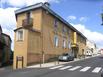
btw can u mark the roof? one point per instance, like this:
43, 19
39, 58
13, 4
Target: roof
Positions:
42, 5
7, 36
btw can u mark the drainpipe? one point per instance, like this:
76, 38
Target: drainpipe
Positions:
42, 49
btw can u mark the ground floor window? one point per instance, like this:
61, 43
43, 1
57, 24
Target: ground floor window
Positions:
64, 43
56, 41
69, 44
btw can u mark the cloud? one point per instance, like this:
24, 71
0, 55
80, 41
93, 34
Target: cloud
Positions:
8, 22
83, 19
92, 36
7, 16
21, 3
71, 17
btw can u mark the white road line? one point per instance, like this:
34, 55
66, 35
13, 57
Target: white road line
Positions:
56, 67
74, 68
97, 69
85, 69
65, 67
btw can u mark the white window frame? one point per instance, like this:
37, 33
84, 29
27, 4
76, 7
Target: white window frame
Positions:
64, 43
69, 44
31, 15
56, 41
18, 35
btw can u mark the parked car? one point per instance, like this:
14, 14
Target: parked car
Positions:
88, 53
66, 57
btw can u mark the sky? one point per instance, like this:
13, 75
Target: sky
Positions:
84, 15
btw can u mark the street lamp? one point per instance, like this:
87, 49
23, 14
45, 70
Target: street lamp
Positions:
102, 18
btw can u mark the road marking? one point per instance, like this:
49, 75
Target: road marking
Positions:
65, 67
85, 69
97, 69
56, 67
74, 68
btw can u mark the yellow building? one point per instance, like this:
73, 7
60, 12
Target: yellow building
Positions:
42, 34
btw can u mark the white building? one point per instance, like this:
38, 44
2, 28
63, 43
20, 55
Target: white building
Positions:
91, 48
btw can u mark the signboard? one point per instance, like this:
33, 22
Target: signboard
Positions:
19, 58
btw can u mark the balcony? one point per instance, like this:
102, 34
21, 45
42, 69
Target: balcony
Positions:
27, 23
74, 45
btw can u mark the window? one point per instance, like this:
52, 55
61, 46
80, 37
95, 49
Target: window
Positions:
29, 15
64, 29
69, 44
56, 41
19, 35
55, 23
64, 44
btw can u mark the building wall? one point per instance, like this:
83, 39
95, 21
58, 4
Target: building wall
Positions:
81, 41
34, 38
91, 46
38, 44
5, 49
20, 49
48, 36
20, 18
31, 43
34, 47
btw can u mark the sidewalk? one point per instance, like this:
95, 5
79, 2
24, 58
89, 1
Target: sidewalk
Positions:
55, 63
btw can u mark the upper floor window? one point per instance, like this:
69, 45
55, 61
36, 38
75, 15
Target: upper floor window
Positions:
20, 35
64, 30
55, 23
56, 41
29, 15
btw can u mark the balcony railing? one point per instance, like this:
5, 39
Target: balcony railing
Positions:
27, 23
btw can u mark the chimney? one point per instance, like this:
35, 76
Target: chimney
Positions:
47, 4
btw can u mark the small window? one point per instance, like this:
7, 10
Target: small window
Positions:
56, 41
64, 29
20, 35
64, 44
55, 23
29, 15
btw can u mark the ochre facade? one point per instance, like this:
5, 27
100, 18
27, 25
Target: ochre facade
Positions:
38, 41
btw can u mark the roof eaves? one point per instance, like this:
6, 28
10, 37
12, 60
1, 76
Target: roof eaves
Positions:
29, 8
7, 36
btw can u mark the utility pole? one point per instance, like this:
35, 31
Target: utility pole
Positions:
102, 18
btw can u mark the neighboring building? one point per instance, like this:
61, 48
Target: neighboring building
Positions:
41, 34
91, 48
5, 48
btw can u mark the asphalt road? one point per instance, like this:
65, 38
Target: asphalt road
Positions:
85, 68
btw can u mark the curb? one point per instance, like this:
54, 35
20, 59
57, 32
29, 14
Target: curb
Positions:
56, 63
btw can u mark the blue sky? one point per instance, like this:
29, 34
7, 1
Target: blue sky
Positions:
84, 15
90, 9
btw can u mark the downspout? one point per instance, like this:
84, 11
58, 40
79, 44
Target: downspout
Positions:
42, 51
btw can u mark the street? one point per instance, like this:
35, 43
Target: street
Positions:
90, 67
